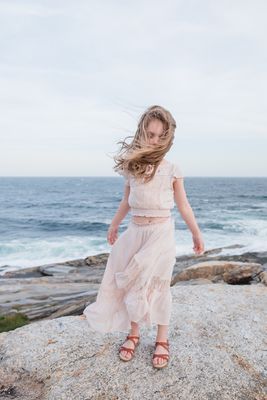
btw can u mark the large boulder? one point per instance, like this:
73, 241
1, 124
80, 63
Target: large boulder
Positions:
217, 351
233, 272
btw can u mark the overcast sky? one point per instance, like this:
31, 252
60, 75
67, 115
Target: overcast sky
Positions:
75, 77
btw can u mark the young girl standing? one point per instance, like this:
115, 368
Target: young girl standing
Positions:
135, 287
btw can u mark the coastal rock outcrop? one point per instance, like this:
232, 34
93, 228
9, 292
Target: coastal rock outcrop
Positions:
61, 289
232, 272
218, 350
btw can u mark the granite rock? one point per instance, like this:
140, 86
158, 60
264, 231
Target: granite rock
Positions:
218, 350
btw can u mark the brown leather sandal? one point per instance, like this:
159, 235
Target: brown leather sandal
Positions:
128, 349
164, 356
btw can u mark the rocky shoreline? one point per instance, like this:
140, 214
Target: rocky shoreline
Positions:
217, 334
62, 289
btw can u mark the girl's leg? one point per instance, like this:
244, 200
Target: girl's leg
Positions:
135, 329
162, 336
133, 332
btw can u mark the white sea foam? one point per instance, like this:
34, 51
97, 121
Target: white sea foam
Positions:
25, 253
22, 253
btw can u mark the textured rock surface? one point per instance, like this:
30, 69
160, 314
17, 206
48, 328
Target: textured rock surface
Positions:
218, 351
41, 297
61, 289
263, 277
228, 271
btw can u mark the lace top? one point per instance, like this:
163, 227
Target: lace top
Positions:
154, 198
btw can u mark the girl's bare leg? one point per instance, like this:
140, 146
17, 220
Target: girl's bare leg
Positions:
162, 336
128, 343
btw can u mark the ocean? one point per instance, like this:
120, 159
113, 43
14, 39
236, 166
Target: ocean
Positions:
56, 219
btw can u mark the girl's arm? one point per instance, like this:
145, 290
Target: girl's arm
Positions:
123, 208
121, 213
187, 214
184, 207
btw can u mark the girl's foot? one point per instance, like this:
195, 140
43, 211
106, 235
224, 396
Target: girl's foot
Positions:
130, 344
82, 316
161, 354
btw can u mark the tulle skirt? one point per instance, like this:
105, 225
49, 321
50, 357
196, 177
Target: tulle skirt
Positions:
136, 282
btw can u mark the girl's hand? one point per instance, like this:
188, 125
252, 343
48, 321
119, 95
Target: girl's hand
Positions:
112, 234
198, 244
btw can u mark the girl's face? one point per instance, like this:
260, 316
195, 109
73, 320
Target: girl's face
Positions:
154, 131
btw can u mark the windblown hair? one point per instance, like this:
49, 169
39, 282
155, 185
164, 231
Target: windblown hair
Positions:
136, 156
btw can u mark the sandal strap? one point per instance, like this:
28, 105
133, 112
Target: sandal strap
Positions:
130, 350
132, 339
163, 344
127, 349
166, 347
164, 356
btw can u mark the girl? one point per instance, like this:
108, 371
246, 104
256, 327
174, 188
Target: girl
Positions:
135, 287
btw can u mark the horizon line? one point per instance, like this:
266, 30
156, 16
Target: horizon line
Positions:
109, 176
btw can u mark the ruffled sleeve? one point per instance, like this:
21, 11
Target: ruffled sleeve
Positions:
177, 172
125, 174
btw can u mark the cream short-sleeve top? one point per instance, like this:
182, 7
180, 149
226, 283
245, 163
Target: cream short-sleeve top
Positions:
154, 198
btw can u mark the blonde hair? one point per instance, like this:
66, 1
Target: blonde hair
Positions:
134, 157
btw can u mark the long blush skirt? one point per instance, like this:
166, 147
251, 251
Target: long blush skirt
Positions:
136, 282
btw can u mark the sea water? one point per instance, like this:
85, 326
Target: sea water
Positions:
55, 219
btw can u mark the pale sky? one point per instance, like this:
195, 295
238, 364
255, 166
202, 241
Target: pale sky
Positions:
75, 77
